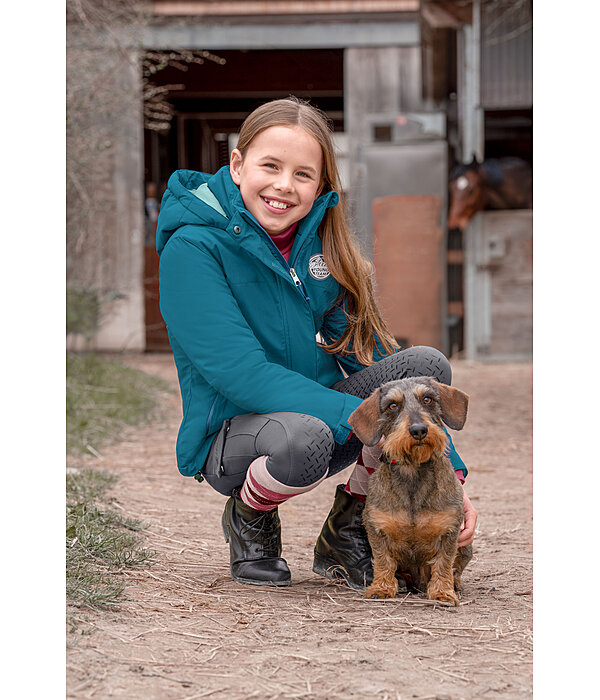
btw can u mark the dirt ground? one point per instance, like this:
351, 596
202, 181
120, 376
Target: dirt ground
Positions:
187, 631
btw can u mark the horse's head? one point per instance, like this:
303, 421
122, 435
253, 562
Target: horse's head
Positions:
467, 194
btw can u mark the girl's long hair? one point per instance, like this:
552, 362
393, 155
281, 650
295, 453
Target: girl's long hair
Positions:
340, 248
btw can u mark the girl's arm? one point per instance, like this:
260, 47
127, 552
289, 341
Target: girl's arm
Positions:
460, 468
203, 316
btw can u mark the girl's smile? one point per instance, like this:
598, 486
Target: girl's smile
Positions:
279, 176
278, 203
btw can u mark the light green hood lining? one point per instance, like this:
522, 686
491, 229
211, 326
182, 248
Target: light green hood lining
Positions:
203, 192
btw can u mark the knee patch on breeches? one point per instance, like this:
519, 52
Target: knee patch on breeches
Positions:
419, 361
298, 447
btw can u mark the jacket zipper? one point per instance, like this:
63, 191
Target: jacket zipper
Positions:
293, 274
295, 279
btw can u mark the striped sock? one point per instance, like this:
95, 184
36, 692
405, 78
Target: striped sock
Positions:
358, 483
262, 492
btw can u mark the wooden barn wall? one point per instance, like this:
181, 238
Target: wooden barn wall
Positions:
407, 251
499, 286
381, 80
506, 54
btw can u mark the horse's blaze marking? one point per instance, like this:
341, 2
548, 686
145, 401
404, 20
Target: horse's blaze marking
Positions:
462, 183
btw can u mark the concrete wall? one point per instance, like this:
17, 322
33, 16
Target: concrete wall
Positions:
110, 255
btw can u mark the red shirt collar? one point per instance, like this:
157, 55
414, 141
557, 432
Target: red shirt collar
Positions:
285, 240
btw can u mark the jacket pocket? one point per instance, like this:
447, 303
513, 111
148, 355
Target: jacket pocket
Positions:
224, 432
220, 410
214, 462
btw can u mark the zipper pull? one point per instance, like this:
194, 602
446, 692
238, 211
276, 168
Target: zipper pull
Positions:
297, 282
295, 278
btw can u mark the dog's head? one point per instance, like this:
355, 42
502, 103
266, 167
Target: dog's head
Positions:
410, 413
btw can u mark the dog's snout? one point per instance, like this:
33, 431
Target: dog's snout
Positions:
418, 431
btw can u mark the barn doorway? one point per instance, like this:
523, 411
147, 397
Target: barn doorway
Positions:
210, 102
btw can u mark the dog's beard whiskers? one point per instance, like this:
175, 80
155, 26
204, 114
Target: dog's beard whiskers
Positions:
422, 453
398, 447
437, 440
402, 447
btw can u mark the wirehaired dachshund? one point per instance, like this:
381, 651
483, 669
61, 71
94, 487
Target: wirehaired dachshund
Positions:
413, 511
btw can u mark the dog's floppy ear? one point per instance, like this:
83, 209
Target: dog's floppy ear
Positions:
365, 419
454, 404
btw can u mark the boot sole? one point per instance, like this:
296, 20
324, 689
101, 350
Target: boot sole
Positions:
249, 581
252, 582
334, 571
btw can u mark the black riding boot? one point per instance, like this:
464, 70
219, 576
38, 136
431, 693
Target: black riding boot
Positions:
342, 549
254, 538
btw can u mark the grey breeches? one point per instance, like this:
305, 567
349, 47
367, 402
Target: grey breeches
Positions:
300, 448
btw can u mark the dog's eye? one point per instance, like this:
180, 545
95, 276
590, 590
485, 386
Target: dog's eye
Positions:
393, 408
427, 400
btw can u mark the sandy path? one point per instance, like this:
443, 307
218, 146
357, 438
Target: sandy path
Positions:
187, 631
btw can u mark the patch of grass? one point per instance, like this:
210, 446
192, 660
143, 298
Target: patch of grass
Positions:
101, 543
103, 396
83, 311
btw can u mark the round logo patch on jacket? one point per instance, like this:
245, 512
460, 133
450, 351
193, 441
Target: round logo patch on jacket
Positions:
318, 268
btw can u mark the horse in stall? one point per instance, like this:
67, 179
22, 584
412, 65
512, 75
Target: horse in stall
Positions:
497, 183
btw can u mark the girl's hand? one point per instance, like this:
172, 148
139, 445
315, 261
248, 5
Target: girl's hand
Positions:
467, 530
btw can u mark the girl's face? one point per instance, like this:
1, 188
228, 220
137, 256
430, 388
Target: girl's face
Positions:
279, 177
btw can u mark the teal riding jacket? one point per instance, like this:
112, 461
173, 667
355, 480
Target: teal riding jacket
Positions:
242, 322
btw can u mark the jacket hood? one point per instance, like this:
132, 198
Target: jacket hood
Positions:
218, 198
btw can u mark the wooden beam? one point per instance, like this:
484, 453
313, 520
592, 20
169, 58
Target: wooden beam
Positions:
447, 14
204, 8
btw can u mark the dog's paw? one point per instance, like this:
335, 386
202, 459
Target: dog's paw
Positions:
444, 597
374, 591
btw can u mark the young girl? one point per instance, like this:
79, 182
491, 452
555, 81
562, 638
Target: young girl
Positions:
257, 260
